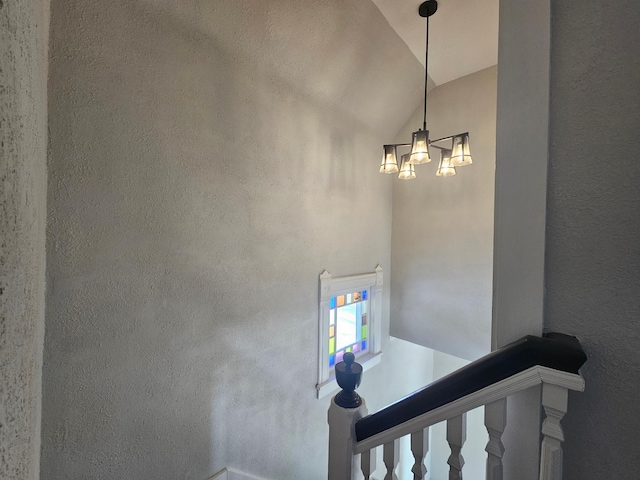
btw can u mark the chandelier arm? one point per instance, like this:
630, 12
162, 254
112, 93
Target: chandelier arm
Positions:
431, 142
450, 137
398, 144
439, 148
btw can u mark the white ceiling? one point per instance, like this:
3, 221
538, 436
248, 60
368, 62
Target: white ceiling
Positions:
463, 34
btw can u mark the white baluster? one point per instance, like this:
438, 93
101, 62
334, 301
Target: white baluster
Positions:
368, 463
456, 436
419, 448
495, 419
391, 457
554, 402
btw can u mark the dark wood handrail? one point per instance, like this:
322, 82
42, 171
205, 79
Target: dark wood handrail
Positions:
553, 350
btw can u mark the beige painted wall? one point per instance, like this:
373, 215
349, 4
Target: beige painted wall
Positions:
442, 239
23, 185
207, 163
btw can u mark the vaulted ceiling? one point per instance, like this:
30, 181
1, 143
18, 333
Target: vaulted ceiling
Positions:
463, 34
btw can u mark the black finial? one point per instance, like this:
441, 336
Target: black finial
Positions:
349, 358
348, 376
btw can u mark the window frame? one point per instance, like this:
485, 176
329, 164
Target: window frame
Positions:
333, 287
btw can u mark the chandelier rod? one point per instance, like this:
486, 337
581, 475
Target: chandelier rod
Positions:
426, 77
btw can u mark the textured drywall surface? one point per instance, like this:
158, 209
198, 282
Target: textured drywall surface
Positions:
23, 183
593, 228
442, 254
208, 161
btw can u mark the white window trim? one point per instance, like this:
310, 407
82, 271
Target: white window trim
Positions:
331, 287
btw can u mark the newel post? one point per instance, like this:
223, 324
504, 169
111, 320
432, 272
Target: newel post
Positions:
346, 408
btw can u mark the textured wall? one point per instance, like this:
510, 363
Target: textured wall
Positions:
593, 235
207, 163
23, 174
443, 227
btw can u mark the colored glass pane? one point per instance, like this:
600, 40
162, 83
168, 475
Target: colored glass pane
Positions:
348, 325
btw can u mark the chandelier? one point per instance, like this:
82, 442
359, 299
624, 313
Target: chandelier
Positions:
454, 149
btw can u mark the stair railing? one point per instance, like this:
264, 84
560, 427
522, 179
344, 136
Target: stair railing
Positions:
552, 361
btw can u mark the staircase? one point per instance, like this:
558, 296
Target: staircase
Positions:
552, 361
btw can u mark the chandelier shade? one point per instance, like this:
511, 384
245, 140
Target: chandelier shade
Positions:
461, 155
389, 160
407, 170
420, 148
444, 167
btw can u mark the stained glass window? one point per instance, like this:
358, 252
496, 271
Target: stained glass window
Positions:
348, 325
349, 316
